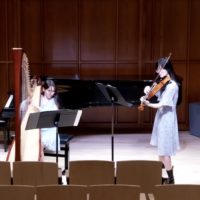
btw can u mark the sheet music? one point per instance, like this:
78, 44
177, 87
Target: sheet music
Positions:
9, 101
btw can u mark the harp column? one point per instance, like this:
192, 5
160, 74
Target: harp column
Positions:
17, 59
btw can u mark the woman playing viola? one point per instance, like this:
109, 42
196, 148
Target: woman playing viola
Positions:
165, 129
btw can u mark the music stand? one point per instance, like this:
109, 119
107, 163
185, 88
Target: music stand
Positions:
113, 95
56, 118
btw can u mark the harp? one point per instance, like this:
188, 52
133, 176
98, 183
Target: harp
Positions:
27, 143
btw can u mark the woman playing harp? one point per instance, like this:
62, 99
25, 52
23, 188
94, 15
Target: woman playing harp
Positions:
42, 96
48, 102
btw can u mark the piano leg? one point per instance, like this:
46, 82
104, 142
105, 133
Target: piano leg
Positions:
4, 125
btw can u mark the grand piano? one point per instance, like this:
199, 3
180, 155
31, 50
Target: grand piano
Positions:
76, 93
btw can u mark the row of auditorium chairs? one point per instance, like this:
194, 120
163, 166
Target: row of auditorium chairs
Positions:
84, 172
145, 173
97, 192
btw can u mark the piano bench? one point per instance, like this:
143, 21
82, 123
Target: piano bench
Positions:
64, 146
4, 126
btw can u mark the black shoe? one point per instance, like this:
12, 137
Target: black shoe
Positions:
164, 180
170, 174
169, 181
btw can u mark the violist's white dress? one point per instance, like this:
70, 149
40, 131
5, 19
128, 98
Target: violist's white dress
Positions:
165, 129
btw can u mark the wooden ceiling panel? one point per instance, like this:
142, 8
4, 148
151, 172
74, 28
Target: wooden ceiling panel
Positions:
60, 30
195, 31
174, 35
97, 70
98, 29
128, 26
31, 29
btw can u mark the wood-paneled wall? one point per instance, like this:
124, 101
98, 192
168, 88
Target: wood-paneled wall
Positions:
108, 39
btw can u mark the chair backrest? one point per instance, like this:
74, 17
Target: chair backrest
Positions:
177, 192
35, 173
91, 172
114, 192
18, 192
5, 173
145, 173
60, 192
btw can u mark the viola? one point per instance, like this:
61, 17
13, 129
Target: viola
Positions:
156, 86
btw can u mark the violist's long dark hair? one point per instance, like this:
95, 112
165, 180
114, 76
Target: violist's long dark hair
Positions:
170, 69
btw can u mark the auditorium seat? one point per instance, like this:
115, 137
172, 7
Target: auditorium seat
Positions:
60, 192
145, 173
91, 172
177, 192
17, 192
35, 173
5, 173
114, 192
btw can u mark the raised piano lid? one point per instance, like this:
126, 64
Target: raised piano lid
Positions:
80, 93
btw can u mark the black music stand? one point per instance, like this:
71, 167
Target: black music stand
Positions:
113, 95
57, 118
